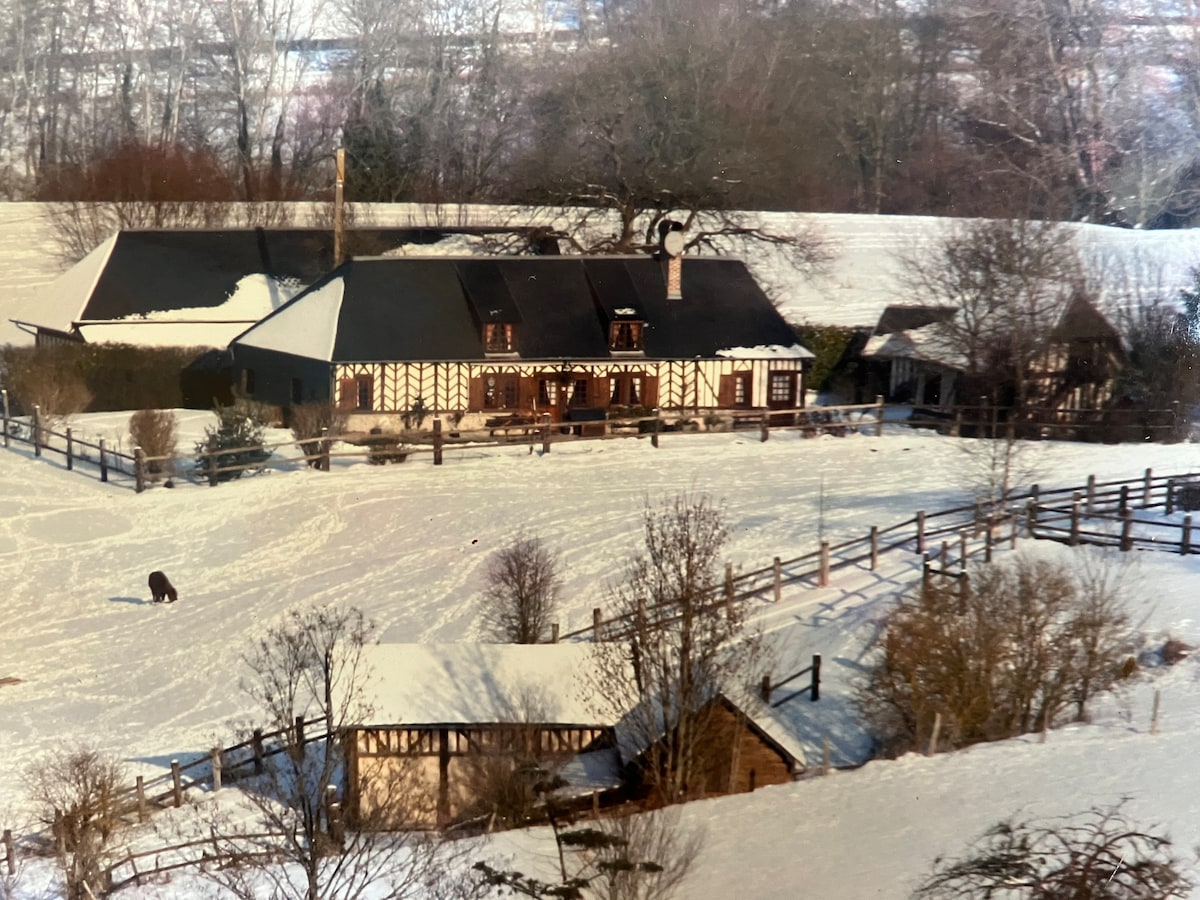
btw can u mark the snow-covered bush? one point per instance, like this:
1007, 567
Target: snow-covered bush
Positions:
236, 441
156, 432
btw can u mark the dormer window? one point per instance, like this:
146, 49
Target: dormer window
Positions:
499, 337
626, 336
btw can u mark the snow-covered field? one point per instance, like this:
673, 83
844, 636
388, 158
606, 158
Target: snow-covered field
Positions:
98, 662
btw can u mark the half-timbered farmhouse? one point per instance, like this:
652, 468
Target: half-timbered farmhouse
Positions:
571, 337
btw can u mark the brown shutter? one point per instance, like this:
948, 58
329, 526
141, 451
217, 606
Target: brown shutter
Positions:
727, 391
347, 393
601, 396
475, 403
651, 397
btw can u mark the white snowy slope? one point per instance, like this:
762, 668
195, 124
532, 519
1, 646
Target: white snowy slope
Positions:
97, 662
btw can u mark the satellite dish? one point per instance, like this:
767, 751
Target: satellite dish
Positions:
673, 243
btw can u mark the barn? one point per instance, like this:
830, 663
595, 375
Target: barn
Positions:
570, 337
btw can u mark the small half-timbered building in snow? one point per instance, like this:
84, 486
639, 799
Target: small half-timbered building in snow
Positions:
526, 336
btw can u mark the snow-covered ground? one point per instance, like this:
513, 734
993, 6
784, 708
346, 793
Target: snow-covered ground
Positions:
98, 662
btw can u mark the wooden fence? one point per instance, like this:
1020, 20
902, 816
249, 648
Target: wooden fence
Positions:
1054, 423
141, 470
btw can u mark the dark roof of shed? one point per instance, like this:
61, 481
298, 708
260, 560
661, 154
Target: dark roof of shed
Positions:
166, 269
431, 308
909, 317
1082, 321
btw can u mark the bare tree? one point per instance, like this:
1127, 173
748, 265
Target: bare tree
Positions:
74, 793
1003, 654
685, 645
1099, 855
311, 665
520, 594
1011, 281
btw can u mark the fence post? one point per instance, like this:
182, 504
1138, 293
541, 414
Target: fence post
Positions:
545, 434
764, 689
1127, 531
139, 470
815, 693
987, 544
256, 744
920, 531
176, 784
437, 442
874, 547
1185, 536
655, 426
10, 851
70, 449
141, 798
4, 405
323, 462
777, 567
1091, 495
1169, 500
299, 737
962, 549
37, 430
554, 633
596, 624
933, 737
879, 415
210, 466
764, 428
216, 769
1146, 490
728, 587
823, 577
103, 461
1123, 503
1074, 539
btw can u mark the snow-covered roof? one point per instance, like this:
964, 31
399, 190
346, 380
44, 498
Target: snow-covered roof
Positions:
465, 684
768, 351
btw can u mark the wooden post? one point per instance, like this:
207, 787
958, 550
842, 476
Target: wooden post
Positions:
933, 737
924, 571
921, 531
554, 633
764, 428
987, 544
1185, 536
210, 466
1091, 495
545, 434
4, 406
103, 461
1154, 713
1123, 503
964, 591
656, 424
10, 850
37, 430
437, 442
815, 691
1169, 500
299, 734
256, 745
944, 557
977, 518
956, 428
323, 464
778, 577
1074, 538
216, 769
176, 784
764, 688
879, 415
70, 449
141, 798
139, 470
823, 576
728, 584
1127, 531
1146, 489
962, 550
874, 547
596, 624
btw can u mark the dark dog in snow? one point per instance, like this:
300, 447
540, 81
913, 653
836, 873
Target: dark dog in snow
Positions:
162, 589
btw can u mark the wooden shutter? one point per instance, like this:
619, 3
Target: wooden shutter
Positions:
475, 403
651, 391
727, 391
601, 393
347, 393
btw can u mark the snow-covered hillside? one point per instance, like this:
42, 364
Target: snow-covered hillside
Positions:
861, 279
97, 661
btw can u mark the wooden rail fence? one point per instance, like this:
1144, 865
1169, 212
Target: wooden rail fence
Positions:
142, 470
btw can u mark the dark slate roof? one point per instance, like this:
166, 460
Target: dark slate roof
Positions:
432, 308
908, 318
163, 270
1082, 321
